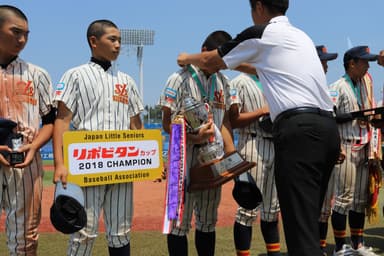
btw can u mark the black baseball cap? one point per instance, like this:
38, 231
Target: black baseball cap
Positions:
245, 192
324, 54
6, 127
359, 52
67, 212
277, 3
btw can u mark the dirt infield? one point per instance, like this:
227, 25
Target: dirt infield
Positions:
148, 207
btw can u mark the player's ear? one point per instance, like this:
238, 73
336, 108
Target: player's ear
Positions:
92, 41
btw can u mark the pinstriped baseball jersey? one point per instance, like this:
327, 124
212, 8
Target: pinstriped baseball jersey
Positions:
346, 100
206, 202
249, 97
33, 89
351, 177
255, 145
26, 94
101, 100
97, 98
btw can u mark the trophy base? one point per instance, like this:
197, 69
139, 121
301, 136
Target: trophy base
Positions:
218, 172
16, 158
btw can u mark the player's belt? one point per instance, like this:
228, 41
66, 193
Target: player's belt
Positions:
351, 141
254, 135
303, 110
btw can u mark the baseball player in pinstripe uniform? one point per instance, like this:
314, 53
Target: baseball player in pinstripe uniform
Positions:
353, 92
247, 106
212, 89
326, 209
21, 185
96, 96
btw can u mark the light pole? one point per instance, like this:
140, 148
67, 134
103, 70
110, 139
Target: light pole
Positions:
138, 38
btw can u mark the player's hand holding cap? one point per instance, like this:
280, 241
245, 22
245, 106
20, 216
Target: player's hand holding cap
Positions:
245, 192
67, 212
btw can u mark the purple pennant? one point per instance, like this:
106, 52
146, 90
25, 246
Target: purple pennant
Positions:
174, 170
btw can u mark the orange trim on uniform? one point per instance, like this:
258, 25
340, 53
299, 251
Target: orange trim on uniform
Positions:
340, 233
357, 231
243, 253
273, 247
323, 243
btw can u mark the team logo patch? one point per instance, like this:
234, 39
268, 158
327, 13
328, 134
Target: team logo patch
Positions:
334, 95
233, 94
59, 88
120, 93
170, 94
25, 91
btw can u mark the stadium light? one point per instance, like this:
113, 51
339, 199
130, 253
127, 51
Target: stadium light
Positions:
138, 38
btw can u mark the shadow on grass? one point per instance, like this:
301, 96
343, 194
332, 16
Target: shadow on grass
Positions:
374, 237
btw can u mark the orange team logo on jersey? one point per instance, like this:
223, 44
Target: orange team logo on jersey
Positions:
219, 99
25, 92
13, 93
219, 96
121, 93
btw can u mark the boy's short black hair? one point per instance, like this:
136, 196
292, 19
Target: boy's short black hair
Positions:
215, 39
97, 28
274, 6
9, 8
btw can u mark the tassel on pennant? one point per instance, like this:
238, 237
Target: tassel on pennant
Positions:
375, 179
174, 198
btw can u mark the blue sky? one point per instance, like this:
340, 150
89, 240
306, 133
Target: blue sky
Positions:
57, 40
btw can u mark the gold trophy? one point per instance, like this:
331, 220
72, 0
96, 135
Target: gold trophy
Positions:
214, 167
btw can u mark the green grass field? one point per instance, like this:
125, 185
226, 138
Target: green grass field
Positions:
148, 243
153, 243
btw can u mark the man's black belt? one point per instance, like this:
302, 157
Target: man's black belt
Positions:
303, 110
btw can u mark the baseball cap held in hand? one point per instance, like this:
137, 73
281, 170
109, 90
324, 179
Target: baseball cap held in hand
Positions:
6, 130
67, 212
245, 192
6, 127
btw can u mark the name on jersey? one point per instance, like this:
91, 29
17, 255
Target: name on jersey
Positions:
121, 93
